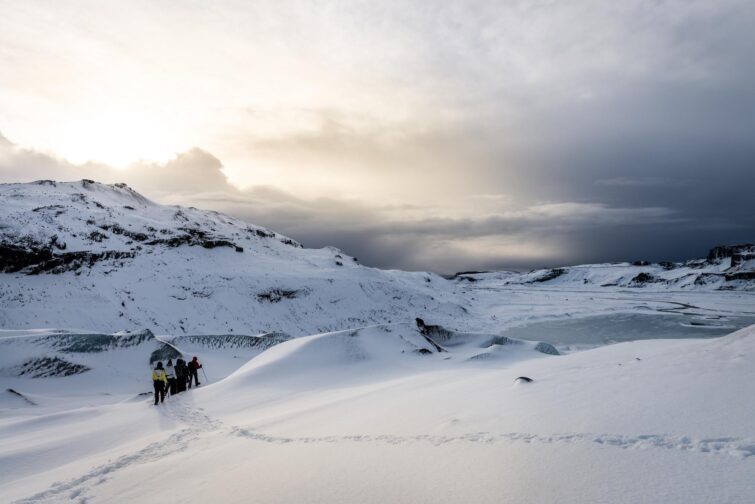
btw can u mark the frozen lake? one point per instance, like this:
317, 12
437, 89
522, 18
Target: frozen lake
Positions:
615, 328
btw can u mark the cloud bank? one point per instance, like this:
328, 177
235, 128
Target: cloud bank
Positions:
407, 237
419, 135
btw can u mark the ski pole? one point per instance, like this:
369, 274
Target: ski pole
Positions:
205, 375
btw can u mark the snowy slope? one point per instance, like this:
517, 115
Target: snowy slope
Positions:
359, 421
84, 255
40, 365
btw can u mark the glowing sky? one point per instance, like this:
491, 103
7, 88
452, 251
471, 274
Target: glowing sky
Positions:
415, 134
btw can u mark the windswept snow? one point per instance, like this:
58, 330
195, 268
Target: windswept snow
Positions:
657, 421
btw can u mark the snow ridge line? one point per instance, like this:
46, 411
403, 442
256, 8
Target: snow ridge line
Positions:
735, 447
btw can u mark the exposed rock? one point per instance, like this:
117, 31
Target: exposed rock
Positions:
276, 295
195, 237
743, 275
546, 348
95, 343
288, 241
499, 340
431, 332
163, 353
262, 233
707, 278
549, 275
97, 236
15, 258
116, 229
19, 395
45, 367
738, 253
643, 279
261, 342
71, 261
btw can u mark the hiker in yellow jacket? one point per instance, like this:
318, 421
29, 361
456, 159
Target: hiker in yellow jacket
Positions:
159, 380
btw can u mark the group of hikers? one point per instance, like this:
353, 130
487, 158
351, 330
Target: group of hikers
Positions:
174, 379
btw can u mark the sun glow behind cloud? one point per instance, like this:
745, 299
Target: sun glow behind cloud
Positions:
608, 113
119, 84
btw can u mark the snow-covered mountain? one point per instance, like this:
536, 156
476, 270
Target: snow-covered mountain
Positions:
97, 257
89, 256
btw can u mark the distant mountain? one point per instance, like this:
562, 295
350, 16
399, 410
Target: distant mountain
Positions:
729, 267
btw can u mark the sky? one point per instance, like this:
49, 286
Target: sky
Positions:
422, 135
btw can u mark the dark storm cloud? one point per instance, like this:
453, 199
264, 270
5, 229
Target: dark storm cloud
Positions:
377, 235
535, 133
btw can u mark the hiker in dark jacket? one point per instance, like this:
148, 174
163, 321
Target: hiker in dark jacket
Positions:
181, 375
194, 366
159, 380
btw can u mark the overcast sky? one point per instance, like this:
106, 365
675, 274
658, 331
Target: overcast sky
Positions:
430, 135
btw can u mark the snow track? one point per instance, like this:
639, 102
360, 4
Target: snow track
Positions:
739, 448
200, 424
197, 424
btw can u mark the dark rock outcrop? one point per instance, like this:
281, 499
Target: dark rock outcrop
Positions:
738, 253
15, 258
549, 275
46, 367
71, 261
431, 332
277, 295
742, 275
195, 237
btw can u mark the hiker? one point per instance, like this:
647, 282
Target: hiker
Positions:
181, 373
170, 372
159, 380
194, 366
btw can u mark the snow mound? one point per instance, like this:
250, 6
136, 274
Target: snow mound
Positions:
382, 348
